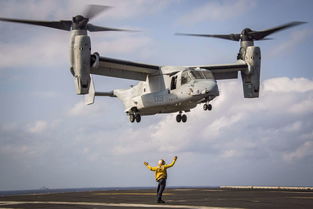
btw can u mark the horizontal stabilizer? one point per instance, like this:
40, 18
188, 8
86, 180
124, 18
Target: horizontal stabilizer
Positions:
105, 94
90, 97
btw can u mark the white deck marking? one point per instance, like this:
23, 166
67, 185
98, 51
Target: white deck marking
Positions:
112, 204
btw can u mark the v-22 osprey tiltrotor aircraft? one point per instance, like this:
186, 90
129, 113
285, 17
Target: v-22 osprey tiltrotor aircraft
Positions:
162, 89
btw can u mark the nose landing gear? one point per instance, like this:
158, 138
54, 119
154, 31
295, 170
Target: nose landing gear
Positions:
134, 117
181, 118
207, 107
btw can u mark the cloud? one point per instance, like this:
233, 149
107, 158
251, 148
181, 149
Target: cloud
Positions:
304, 150
217, 11
240, 139
285, 85
236, 126
135, 8
80, 109
51, 10
238, 131
41, 46
123, 44
294, 39
32, 9
38, 127
37, 51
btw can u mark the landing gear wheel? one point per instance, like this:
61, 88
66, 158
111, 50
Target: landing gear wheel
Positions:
178, 118
138, 118
184, 118
132, 118
207, 107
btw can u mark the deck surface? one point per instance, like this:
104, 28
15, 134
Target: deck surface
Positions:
175, 198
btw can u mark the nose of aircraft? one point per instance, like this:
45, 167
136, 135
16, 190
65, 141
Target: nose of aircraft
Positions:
205, 87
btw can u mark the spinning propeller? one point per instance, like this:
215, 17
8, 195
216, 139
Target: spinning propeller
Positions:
247, 34
79, 22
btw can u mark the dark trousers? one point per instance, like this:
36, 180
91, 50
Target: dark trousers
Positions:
161, 187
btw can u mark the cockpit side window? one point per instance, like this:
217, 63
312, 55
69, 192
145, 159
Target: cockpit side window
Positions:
185, 78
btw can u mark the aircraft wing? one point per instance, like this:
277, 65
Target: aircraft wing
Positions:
225, 71
124, 69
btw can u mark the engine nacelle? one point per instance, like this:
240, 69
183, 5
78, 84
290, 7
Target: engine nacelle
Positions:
81, 63
251, 77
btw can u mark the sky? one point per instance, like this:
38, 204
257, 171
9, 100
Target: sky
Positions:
50, 138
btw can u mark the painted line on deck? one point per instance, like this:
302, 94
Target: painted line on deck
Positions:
131, 193
111, 204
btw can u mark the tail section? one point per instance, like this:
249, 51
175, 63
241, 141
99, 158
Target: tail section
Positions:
90, 97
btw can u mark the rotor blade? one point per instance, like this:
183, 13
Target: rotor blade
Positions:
265, 39
232, 37
92, 10
61, 25
95, 28
258, 35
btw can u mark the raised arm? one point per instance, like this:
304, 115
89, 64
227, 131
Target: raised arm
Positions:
173, 163
149, 167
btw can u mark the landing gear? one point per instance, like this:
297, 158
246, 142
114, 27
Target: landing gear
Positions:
134, 117
184, 118
138, 118
181, 117
207, 107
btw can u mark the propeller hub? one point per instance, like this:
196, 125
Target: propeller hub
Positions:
245, 35
246, 31
79, 22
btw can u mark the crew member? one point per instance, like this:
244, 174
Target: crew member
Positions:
160, 176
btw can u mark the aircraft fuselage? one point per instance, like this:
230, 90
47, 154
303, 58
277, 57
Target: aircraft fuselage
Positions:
173, 91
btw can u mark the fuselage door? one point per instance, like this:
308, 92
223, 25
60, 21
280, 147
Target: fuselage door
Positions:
174, 82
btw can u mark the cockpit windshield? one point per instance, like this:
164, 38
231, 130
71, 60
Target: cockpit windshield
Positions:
189, 75
208, 74
197, 74
203, 74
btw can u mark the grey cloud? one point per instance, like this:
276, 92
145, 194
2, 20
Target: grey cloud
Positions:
217, 11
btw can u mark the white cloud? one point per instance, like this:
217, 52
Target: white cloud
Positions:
217, 11
51, 10
47, 47
38, 127
31, 9
302, 107
294, 39
237, 131
234, 127
81, 109
285, 84
237, 139
294, 127
123, 44
304, 150
37, 51
220, 124
132, 8
231, 153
